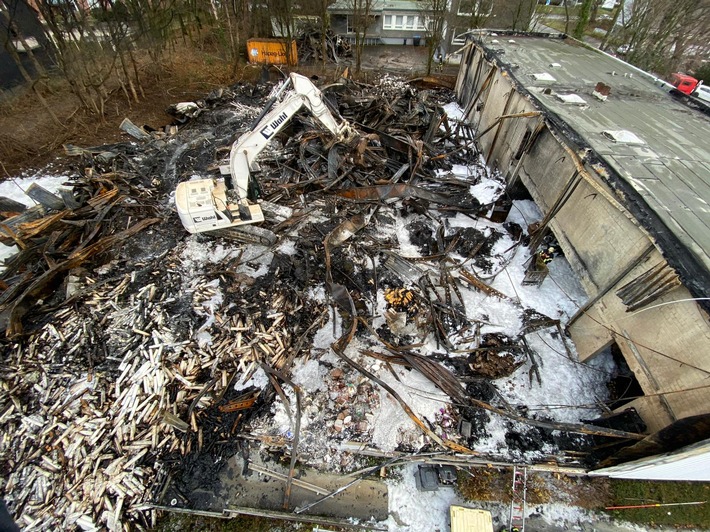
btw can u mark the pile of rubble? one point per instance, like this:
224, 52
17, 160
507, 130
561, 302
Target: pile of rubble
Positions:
310, 43
139, 359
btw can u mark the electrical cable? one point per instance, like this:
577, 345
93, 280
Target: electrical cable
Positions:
630, 398
577, 362
538, 407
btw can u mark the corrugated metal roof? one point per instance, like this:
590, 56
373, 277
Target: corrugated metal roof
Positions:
669, 173
689, 463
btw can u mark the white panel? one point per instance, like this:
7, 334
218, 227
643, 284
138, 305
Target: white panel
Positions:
689, 463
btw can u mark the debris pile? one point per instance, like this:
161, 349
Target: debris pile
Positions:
139, 359
310, 43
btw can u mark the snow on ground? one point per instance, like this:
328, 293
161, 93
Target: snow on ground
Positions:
419, 393
453, 111
411, 510
15, 188
565, 382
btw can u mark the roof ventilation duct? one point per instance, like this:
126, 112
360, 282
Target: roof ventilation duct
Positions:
543, 77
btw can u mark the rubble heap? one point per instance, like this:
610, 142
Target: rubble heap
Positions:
139, 359
310, 45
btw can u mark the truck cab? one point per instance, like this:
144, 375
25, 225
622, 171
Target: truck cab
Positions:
684, 83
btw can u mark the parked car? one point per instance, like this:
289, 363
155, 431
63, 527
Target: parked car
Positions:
624, 49
702, 92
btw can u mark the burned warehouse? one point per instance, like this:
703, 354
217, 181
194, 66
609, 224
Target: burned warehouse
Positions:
620, 168
302, 290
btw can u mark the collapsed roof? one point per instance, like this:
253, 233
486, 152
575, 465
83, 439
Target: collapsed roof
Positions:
140, 360
648, 145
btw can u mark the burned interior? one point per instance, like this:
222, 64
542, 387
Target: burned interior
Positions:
145, 367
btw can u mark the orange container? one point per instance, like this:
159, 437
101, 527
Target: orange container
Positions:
270, 51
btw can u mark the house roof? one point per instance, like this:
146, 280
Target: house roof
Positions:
655, 146
380, 6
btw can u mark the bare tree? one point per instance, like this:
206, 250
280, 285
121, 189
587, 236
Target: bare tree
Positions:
321, 8
660, 32
520, 13
361, 20
435, 13
13, 40
614, 21
585, 12
282, 14
480, 12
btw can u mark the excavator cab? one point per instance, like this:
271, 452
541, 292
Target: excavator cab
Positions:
203, 205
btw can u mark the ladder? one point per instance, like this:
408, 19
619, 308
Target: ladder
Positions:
535, 272
517, 504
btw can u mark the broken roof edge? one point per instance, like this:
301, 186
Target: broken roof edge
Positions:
566, 37
694, 275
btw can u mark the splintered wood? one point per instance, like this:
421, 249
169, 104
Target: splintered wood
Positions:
85, 457
92, 397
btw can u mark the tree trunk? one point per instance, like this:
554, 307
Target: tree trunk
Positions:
617, 14
584, 14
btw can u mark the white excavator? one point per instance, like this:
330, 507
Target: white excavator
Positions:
211, 204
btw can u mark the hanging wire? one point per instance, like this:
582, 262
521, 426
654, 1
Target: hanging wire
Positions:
615, 332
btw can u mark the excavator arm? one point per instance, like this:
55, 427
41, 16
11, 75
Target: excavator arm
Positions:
209, 204
248, 146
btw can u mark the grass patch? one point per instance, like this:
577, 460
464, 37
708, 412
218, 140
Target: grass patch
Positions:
558, 24
636, 492
489, 484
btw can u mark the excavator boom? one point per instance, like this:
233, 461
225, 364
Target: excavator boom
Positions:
210, 204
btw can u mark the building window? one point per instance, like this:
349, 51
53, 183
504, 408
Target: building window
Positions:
351, 26
403, 22
479, 8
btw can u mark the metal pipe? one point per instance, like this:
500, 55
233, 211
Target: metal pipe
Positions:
656, 505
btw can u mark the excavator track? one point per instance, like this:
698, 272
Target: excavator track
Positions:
247, 234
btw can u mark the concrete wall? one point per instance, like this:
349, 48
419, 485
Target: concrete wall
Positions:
667, 347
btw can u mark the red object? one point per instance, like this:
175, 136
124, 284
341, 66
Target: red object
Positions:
684, 83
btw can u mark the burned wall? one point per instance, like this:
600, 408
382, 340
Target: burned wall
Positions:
666, 345
597, 251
